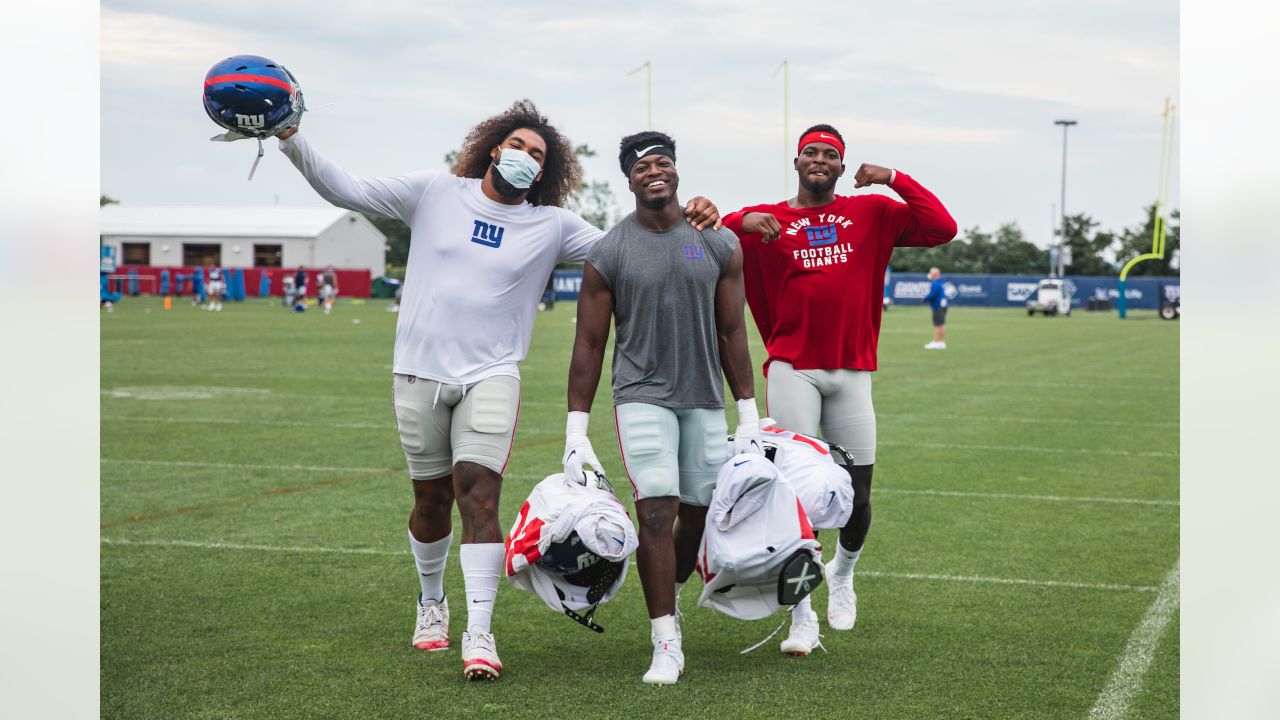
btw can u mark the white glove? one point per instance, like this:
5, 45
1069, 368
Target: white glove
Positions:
577, 449
747, 438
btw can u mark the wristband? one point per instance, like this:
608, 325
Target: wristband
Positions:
577, 423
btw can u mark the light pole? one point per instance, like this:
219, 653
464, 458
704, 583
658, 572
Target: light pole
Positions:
1062, 227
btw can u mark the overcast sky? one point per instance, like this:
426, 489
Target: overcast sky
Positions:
960, 95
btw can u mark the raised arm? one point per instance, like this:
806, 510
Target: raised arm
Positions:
735, 358
595, 311
394, 197
921, 221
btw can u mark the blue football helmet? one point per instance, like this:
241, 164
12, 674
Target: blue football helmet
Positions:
252, 96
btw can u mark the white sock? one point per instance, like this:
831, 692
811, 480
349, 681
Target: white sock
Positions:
804, 610
430, 559
664, 628
844, 561
481, 570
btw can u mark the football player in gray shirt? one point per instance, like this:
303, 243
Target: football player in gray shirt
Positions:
676, 295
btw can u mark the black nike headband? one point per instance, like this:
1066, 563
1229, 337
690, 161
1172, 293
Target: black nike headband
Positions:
635, 155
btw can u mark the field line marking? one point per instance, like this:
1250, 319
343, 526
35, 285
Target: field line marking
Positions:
984, 580
1126, 681
390, 424
240, 466
535, 476
272, 492
371, 551
1019, 496
1024, 420
1033, 449
257, 548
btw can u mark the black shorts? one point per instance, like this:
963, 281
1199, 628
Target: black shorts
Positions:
939, 316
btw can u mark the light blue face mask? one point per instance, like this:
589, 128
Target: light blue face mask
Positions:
518, 167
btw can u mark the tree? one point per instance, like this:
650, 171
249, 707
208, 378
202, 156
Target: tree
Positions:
976, 252
1087, 245
593, 199
107, 200
1013, 254
1007, 251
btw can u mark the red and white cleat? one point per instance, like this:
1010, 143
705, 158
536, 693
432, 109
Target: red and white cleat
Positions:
480, 656
432, 631
668, 663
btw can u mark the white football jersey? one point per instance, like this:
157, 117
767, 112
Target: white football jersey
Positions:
824, 488
755, 523
476, 268
556, 508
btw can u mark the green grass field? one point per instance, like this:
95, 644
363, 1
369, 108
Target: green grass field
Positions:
254, 561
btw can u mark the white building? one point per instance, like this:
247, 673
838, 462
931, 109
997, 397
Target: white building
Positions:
243, 237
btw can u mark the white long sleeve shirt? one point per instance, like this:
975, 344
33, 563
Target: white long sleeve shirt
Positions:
476, 267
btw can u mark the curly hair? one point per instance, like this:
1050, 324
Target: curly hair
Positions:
631, 143
561, 173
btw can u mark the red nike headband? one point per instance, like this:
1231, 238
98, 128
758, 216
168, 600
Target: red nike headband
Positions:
822, 137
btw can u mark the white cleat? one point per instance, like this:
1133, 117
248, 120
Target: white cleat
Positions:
432, 631
480, 657
668, 663
804, 636
842, 602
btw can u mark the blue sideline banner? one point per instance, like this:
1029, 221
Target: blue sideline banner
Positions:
1016, 290
1143, 293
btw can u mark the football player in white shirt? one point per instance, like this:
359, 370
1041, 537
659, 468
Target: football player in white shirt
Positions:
483, 240
217, 286
328, 288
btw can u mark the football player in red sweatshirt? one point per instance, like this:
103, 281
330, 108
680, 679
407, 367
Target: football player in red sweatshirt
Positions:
814, 268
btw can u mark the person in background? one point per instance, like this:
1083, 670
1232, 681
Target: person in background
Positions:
937, 299
217, 287
328, 288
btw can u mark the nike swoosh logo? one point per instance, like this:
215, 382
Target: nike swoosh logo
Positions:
741, 462
481, 601
640, 153
619, 541
833, 497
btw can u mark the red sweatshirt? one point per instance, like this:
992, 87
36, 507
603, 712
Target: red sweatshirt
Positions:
816, 292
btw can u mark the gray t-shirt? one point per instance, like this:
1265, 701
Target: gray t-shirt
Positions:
664, 288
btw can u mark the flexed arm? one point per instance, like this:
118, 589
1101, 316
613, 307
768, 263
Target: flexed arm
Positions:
393, 196
922, 221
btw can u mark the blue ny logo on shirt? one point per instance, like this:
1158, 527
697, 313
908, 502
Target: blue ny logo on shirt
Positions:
821, 235
486, 234
693, 252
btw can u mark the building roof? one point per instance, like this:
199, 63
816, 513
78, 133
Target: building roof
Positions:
268, 221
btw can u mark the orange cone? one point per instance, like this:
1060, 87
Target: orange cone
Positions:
168, 302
